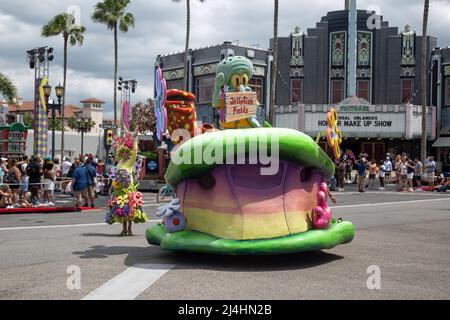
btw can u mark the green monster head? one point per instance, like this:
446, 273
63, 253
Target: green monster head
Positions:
234, 73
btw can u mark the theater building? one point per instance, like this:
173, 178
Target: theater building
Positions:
355, 61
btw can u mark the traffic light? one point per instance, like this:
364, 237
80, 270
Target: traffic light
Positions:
109, 138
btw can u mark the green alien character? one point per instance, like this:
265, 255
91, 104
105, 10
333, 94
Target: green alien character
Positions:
233, 75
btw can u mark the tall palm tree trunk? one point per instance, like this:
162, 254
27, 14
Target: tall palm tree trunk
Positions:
66, 38
424, 80
186, 49
116, 67
274, 67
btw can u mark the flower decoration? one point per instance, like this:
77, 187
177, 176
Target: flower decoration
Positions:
334, 134
108, 217
136, 200
124, 146
123, 178
122, 200
112, 174
115, 184
112, 202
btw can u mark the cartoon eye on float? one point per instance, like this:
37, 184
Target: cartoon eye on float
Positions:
334, 134
160, 101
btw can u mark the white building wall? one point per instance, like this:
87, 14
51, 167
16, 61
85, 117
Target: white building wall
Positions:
93, 143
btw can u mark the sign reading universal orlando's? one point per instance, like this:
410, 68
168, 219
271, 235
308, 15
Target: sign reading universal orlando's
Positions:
240, 105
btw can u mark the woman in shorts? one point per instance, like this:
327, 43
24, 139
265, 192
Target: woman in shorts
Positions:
49, 183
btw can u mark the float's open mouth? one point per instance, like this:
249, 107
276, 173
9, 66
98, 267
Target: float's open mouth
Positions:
233, 208
236, 202
193, 241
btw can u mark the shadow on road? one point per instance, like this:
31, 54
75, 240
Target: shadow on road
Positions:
154, 255
100, 235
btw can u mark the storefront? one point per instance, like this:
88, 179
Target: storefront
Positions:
372, 129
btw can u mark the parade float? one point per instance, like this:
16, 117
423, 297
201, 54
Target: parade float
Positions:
247, 189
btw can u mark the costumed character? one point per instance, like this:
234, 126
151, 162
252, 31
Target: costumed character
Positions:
181, 114
233, 75
125, 201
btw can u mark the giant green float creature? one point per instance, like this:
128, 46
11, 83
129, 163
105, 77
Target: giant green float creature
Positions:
230, 205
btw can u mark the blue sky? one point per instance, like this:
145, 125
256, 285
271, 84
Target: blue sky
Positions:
160, 29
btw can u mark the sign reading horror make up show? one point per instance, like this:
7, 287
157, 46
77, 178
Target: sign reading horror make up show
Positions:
240, 105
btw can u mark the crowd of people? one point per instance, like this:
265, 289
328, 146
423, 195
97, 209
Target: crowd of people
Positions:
406, 172
32, 182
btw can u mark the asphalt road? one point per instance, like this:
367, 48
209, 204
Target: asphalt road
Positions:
406, 236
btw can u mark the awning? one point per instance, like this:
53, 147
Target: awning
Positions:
442, 142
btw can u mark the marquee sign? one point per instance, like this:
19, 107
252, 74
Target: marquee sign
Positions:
240, 105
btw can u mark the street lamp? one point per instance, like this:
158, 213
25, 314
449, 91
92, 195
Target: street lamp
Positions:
53, 107
18, 102
83, 127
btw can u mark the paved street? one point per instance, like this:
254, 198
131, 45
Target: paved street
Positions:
407, 235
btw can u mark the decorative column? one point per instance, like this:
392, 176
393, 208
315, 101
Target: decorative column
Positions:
301, 118
408, 122
41, 121
352, 44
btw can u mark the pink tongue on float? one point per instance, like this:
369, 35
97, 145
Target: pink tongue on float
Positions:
322, 217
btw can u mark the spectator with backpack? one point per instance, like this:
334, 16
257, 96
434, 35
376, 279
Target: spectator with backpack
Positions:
81, 180
34, 173
90, 191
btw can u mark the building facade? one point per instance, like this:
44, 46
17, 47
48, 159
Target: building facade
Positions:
355, 61
91, 108
440, 98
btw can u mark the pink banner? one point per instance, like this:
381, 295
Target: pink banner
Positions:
126, 114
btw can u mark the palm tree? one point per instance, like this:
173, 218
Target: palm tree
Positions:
424, 80
112, 13
56, 124
7, 89
186, 48
274, 67
64, 25
72, 123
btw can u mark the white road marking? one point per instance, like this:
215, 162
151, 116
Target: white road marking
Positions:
61, 226
388, 203
131, 283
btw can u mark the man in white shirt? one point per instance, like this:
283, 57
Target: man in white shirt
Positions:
65, 167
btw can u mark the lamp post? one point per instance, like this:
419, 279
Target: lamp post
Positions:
53, 107
39, 60
18, 102
82, 126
